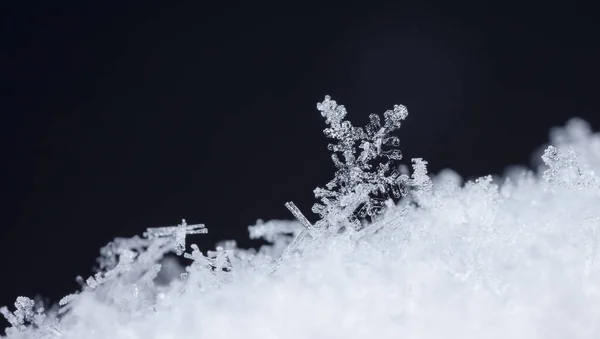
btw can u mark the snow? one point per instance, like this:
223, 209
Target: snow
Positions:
510, 258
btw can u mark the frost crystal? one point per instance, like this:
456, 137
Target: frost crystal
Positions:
66, 299
298, 215
26, 315
177, 232
364, 180
23, 314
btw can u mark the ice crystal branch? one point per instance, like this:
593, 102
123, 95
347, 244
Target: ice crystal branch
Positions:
29, 315
178, 233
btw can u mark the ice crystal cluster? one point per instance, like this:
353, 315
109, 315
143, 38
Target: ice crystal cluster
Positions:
392, 253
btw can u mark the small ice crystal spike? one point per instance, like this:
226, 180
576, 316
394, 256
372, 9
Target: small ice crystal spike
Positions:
298, 215
419, 176
178, 233
67, 299
91, 282
135, 291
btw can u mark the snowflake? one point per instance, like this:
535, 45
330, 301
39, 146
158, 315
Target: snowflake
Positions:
366, 177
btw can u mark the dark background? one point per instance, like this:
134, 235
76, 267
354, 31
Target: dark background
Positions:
118, 116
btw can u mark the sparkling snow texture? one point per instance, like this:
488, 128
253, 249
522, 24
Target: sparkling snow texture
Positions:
393, 255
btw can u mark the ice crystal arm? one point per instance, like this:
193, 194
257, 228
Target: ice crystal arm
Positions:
196, 255
177, 232
273, 230
420, 179
298, 215
67, 299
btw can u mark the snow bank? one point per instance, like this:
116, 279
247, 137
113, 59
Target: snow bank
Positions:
393, 254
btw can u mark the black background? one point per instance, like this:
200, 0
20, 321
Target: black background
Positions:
117, 116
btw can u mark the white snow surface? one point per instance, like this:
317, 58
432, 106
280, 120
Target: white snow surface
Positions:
513, 257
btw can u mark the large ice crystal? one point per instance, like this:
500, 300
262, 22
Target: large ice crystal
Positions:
394, 254
362, 182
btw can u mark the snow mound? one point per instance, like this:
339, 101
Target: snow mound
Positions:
394, 254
